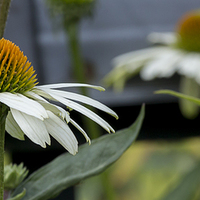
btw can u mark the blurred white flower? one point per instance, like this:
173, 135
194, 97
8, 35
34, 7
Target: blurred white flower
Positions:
160, 61
175, 52
178, 52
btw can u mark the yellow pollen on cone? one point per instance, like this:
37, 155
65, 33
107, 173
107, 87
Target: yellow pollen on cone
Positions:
16, 73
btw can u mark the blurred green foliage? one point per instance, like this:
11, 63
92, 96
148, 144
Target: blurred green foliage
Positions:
148, 170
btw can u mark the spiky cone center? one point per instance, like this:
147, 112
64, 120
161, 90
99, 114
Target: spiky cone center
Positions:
188, 29
16, 73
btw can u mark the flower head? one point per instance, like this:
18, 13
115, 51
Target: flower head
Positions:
180, 52
30, 112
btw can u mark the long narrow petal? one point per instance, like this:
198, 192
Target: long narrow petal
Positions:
64, 85
61, 132
48, 106
81, 130
84, 111
32, 127
13, 128
83, 99
23, 104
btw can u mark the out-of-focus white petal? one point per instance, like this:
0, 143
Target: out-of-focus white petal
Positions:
163, 66
166, 38
81, 130
32, 127
61, 132
190, 66
83, 99
84, 111
23, 104
137, 56
13, 128
64, 85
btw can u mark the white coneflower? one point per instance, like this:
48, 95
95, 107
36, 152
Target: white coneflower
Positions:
31, 113
179, 52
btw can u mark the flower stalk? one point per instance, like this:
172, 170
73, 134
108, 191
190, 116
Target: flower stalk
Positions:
72, 32
3, 114
4, 8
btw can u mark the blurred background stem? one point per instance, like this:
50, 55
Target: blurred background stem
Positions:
4, 8
79, 73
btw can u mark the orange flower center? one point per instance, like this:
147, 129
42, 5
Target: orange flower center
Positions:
189, 31
16, 75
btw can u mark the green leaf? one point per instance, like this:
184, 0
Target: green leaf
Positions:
179, 95
67, 170
187, 188
19, 196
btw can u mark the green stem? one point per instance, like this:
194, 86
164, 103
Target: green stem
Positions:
3, 114
79, 72
4, 8
76, 57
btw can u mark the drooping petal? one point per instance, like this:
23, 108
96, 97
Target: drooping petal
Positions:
64, 85
81, 130
61, 132
32, 127
84, 111
13, 128
83, 99
48, 106
20, 102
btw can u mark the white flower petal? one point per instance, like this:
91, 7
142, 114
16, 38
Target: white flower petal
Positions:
13, 128
61, 132
163, 66
64, 114
23, 104
83, 99
81, 130
64, 85
32, 127
166, 38
190, 65
48, 106
84, 111
137, 56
